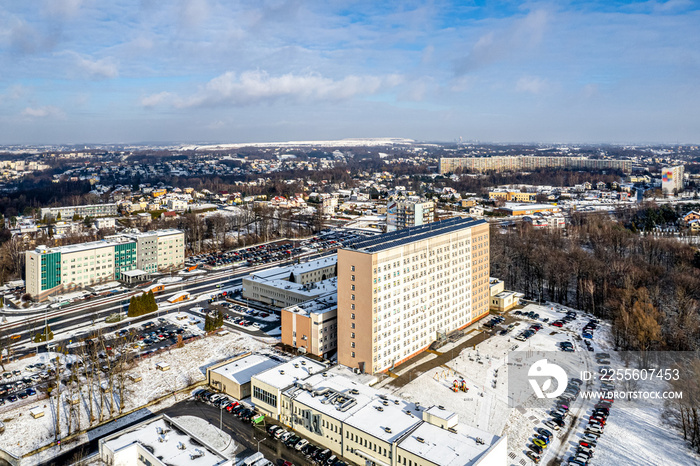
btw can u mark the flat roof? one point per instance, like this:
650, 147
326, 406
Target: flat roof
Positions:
312, 290
320, 305
282, 273
446, 448
134, 273
412, 234
526, 206
164, 438
286, 374
241, 370
386, 419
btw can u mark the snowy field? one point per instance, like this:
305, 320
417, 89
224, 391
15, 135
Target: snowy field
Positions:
187, 365
632, 436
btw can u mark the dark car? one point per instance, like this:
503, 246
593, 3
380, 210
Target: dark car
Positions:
537, 449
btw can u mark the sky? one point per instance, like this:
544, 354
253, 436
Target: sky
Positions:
600, 71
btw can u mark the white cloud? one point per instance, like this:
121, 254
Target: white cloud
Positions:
154, 100
252, 87
493, 46
83, 66
42, 112
531, 84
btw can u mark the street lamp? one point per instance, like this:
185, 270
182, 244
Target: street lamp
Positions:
261, 440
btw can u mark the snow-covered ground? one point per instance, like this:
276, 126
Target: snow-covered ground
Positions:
187, 365
632, 436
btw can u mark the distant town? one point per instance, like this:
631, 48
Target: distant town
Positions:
357, 302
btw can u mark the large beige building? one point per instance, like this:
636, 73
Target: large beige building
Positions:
527, 162
398, 292
312, 326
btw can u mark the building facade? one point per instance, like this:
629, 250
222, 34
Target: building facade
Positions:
672, 179
513, 196
92, 210
52, 270
401, 291
405, 214
312, 326
527, 163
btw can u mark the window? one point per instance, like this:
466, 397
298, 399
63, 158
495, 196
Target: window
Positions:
352, 325
264, 396
352, 296
352, 306
352, 277
352, 354
352, 344
352, 335
352, 316
352, 287
352, 268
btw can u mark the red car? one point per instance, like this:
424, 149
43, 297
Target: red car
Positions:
287, 463
557, 324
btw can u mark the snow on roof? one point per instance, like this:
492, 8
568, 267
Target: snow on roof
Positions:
312, 290
388, 424
318, 305
164, 438
441, 413
241, 370
286, 374
440, 446
282, 273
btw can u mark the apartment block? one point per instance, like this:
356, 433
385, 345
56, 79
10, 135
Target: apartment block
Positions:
672, 179
91, 210
528, 163
405, 214
54, 270
401, 291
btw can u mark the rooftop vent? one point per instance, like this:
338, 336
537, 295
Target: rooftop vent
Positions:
354, 391
396, 402
379, 408
325, 374
303, 363
387, 430
282, 371
441, 407
452, 429
385, 403
420, 439
296, 366
181, 446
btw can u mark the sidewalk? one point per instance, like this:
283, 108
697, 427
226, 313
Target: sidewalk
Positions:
403, 374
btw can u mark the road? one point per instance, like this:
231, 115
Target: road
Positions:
244, 434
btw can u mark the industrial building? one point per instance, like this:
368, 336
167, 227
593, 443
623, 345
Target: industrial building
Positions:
513, 196
55, 270
401, 291
233, 376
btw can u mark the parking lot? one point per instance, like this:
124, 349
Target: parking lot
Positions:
271, 253
294, 443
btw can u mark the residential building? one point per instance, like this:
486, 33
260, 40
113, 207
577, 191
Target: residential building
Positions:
158, 441
405, 214
53, 270
513, 196
106, 223
67, 213
528, 163
399, 292
672, 179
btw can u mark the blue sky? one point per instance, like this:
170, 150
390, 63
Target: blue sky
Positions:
90, 71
